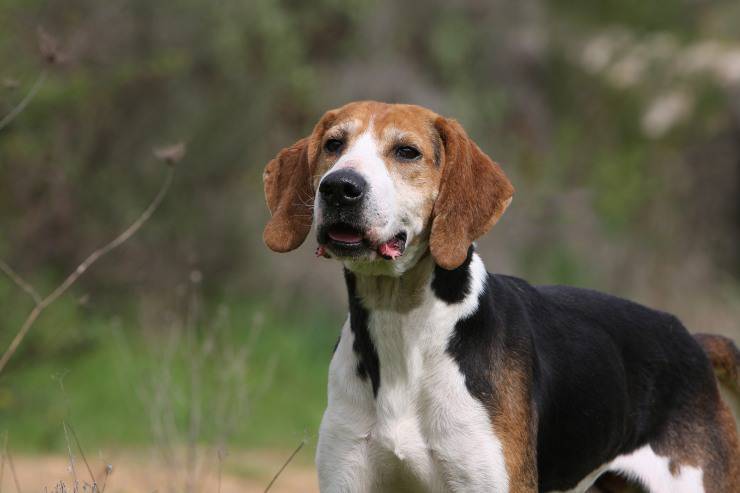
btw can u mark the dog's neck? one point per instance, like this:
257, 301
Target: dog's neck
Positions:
405, 292
392, 318
394, 293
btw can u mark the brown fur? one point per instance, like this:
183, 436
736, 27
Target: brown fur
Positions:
729, 431
460, 217
401, 294
467, 194
289, 190
614, 483
704, 436
511, 413
288, 198
724, 356
457, 217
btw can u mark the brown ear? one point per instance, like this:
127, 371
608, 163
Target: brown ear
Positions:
288, 181
473, 194
288, 191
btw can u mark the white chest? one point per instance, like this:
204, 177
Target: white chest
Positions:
413, 382
423, 429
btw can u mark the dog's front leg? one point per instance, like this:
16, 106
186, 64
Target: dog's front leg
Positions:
475, 451
342, 458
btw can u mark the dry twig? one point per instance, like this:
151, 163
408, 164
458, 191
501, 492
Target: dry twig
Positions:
24, 102
6, 455
71, 456
13, 275
49, 48
2, 459
52, 55
68, 427
75, 275
280, 471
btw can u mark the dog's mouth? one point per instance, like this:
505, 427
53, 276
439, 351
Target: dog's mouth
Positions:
346, 240
344, 235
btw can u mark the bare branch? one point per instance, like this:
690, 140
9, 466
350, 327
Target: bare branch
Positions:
24, 102
108, 471
48, 46
90, 260
280, 471
68, 426
71, 456
171, 154
10, 83
220, 467
6, 455
12, 471
13, 275
2, 459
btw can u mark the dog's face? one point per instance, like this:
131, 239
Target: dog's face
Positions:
384, 183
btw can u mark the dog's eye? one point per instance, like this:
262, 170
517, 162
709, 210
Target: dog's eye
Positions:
407, 152
333, 145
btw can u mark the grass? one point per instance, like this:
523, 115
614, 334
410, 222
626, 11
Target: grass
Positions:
105, 387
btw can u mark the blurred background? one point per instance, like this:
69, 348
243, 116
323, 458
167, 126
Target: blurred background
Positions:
192, 352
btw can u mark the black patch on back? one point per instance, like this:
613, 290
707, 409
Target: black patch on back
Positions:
363, 346
608, 374
612, 374
453, 285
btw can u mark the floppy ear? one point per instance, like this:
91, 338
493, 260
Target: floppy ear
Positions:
473, 194
288, 181
289, 194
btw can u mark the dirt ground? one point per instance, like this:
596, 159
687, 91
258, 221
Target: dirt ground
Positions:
146, 471
243, 472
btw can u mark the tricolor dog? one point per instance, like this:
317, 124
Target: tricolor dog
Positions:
449, 378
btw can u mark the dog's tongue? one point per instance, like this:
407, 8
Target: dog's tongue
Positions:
392, 249
345, 236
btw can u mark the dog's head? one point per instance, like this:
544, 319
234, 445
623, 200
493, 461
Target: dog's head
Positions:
384, 183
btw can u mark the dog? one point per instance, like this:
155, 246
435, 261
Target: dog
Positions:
448, 378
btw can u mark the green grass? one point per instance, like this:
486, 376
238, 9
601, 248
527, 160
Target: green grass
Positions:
106, 387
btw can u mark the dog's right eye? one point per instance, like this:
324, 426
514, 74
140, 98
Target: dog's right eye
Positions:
333, 145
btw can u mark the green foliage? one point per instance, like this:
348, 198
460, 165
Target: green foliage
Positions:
677, 16
110, 388
621, 185
240, 80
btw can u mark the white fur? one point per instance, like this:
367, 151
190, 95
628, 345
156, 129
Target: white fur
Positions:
651, 470
391, 205
424, 431
586, 482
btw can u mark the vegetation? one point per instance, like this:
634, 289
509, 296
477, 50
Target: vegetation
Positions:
261, 381
618, 123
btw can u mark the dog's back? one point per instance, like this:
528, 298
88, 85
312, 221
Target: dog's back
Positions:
617, 377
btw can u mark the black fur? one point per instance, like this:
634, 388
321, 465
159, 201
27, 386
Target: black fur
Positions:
363, 346
452, 286
607, 373
336, 344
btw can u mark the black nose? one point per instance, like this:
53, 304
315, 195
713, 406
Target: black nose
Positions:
343, 187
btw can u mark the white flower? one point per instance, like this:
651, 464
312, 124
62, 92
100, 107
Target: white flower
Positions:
665, 112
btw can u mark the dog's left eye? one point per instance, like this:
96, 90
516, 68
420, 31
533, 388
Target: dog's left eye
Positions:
333, 145
407, 152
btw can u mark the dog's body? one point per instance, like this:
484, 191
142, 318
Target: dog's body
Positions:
459, 392
447, 378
